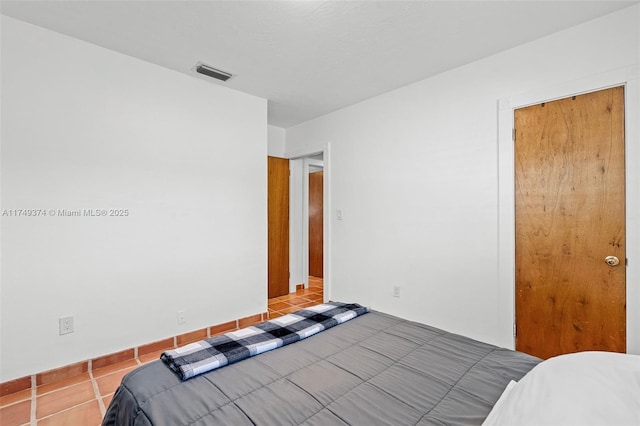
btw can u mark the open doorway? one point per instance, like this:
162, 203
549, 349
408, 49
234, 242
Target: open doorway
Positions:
309, 234
314, 195
316, 240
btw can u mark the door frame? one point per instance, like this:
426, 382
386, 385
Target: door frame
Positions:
627, 77
303, 154
306, 169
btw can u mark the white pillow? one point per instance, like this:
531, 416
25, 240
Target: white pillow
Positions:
585, 388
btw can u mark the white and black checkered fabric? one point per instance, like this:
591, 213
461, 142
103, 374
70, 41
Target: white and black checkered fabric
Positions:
206, 355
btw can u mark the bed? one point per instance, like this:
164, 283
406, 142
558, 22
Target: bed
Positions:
375, 369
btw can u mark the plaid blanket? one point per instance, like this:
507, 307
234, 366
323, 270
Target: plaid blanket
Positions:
206, 355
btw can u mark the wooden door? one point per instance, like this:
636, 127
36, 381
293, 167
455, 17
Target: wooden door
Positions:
278, 226
570, 216
315, 224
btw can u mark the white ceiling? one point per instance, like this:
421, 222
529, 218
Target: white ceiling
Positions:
309, 58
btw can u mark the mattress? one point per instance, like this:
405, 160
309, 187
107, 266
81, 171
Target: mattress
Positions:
376, 369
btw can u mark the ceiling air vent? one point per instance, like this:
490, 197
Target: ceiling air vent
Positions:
212, 72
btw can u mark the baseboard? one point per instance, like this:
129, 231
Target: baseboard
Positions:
87, 366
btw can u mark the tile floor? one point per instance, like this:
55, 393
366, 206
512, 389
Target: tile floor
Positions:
291, 302
82, 400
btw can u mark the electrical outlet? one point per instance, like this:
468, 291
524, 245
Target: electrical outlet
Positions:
181, 318
396, 291
66, 325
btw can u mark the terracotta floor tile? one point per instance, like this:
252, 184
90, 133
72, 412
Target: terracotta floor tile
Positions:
84, 414
62, 373
107, 400
62, 399
114, 358
114, 367
289, 309
249, 321
226, 327
274, 301
160, 345
309, 292
192, 336
144, 359
12, 398
108, 384
16, 414
279, 305
287, 298
299, 300
303, 298
41, 390
15, 385
306, 305
73, 401
284, 298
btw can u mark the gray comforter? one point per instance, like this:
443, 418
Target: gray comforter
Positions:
376, 369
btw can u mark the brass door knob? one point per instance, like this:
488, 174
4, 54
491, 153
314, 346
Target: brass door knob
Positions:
612, 261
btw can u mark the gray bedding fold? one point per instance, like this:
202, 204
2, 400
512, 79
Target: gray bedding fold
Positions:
376, 369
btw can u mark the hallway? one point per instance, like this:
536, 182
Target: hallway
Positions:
302, 298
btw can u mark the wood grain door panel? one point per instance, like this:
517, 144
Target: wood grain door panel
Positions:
570, 215
316, 245
278, 226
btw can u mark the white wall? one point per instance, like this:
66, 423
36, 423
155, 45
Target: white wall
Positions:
296, 224
415, 173
276, 141
88, 128
276, 148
